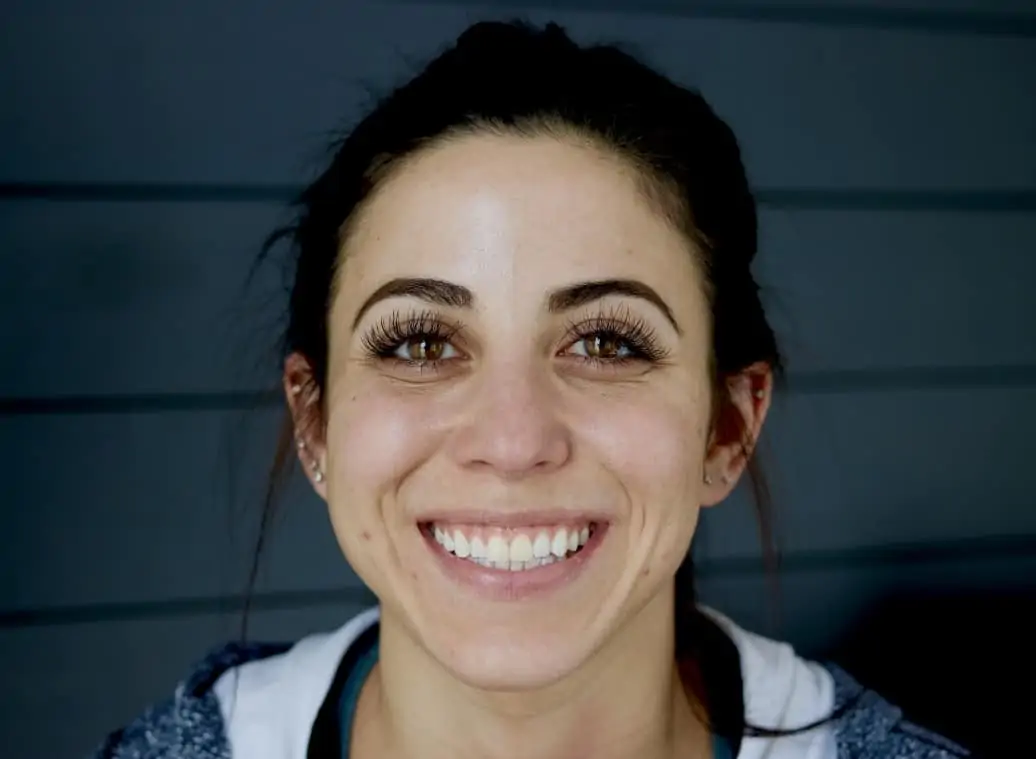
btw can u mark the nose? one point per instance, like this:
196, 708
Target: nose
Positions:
513, 427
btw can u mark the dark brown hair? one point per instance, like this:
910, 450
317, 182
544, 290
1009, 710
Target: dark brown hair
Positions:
518, 79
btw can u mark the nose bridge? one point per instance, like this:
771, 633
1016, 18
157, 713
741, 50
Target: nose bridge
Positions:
513, 425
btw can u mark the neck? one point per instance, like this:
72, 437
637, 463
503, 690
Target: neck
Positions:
627, 701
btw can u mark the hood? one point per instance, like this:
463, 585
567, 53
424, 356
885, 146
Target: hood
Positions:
269, 705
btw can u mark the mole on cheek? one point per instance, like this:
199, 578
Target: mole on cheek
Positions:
365, 535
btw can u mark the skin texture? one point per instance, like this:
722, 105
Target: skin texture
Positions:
515, 418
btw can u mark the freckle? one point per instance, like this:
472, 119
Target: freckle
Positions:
365, 535
646, 571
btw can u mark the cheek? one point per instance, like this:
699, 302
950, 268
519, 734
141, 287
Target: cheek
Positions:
652, 449
373, 441
655, 451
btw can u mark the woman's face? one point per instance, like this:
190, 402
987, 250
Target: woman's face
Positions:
518, 404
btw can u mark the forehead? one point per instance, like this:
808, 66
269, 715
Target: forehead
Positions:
529, 213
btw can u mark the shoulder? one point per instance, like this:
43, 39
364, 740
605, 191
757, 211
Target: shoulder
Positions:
189, 724
794, 707
869, 727
252, 700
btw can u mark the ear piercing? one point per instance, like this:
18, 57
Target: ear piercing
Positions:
318, 475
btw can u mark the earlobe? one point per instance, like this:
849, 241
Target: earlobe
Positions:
737, 431
720, 476
313, 466
303, 398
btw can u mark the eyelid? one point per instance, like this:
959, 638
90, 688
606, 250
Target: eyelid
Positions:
391, 330
624, 323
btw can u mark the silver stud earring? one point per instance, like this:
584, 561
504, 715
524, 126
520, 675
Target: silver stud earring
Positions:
318, 475
707, 479
296, 389
759, 394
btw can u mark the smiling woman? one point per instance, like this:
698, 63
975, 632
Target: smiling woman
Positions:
525, 349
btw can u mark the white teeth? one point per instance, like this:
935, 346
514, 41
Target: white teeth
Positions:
521, 553
521, 549
559, 546
497, 552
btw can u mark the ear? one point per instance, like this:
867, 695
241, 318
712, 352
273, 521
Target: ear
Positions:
303, 395
739, 421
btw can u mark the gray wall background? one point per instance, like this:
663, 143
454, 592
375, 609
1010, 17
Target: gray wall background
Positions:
148, 148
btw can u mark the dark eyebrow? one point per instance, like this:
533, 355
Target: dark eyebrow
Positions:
432, 290
587, 292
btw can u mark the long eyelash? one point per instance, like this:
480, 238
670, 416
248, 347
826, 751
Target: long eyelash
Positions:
619, 321
385, 337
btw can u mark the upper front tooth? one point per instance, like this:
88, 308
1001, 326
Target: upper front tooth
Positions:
559, 546
521, 549
497, 551
503, 547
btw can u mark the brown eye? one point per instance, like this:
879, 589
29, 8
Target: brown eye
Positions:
425, 349
603, 346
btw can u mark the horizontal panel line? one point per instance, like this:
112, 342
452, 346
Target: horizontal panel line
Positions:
876, 199
147, 192
893, 554
133, 403
996, 548
973, 201
798, 383
1005, 376
954, 22
183, 607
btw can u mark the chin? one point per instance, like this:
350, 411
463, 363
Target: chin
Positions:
510, 660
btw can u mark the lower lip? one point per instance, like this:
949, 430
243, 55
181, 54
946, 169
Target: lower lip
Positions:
505, 585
